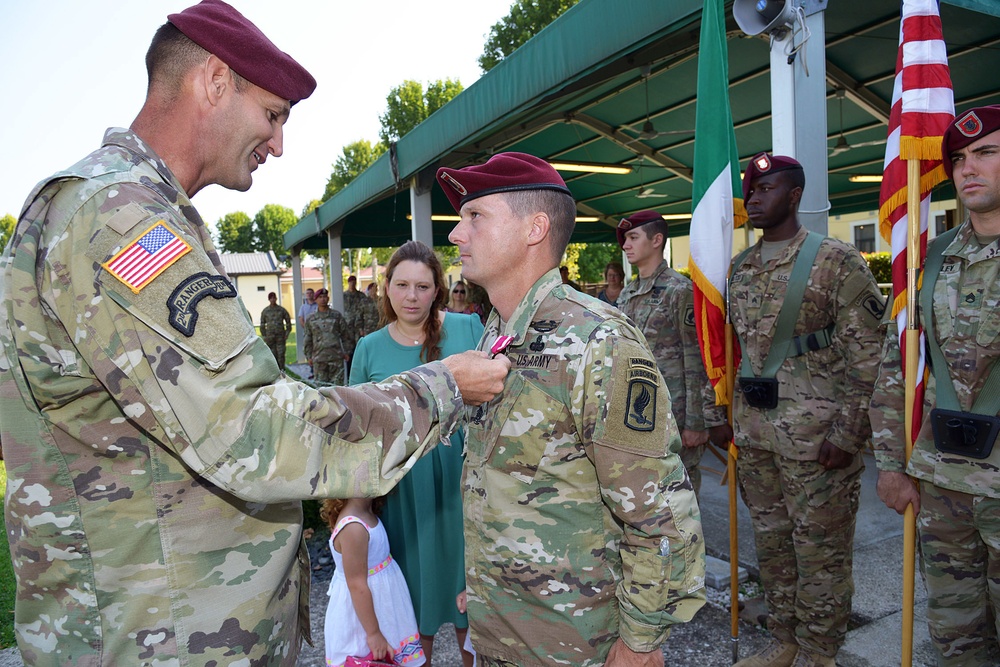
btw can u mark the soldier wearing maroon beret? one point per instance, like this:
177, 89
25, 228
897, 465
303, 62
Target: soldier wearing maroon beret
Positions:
563, 565
806, 310
958, 468
661, 303
156, 456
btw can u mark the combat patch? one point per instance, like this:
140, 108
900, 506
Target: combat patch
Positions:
183, 301
689, 316
874, 305
137, 264
635, 419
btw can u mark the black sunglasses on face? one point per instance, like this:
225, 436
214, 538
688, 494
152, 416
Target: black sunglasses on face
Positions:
458, 291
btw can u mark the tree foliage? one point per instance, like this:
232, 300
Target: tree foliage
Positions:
594, 258
356, 157
408, 105
525, 20
269, 227
235, 232
7, 224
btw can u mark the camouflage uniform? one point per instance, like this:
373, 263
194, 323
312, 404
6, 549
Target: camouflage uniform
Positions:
362, 317
275, 326
153, 518
662, 306
580, 523
958, 522
325, 345
803, 515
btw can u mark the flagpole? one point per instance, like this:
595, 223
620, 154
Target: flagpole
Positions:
734, 538
912, 362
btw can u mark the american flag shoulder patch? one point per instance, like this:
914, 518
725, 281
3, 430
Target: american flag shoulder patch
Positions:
138, 263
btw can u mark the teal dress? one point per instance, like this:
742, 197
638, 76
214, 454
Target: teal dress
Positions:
423, 514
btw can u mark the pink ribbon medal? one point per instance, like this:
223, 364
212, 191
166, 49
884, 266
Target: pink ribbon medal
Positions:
500, 345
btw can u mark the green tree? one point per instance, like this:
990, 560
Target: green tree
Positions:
356, 157
571, 258
235, 232
310, 207
269, 227
407, 105
593, 259
7, 224
525, 20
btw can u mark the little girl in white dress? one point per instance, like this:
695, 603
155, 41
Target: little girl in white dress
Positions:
369, 612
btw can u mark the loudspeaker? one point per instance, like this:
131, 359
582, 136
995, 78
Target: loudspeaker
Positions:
757, 16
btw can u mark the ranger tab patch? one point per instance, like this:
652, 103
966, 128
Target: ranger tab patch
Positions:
138, 263
185, 298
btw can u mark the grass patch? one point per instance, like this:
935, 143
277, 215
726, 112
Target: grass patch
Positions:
6, 576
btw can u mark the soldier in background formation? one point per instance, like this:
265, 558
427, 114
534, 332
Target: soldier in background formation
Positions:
155, 455
326, 342
275, 326
361, 314
806, 310
661, 303
583, 536
957, 503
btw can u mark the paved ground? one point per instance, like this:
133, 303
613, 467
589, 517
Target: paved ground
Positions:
873, 641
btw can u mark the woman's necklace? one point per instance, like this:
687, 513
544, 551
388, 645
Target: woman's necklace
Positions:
401, 335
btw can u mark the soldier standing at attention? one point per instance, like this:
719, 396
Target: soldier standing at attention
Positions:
661, 303
806, 311
325, 343
583, 536
275, 326
156, 457
958, 500
361, 314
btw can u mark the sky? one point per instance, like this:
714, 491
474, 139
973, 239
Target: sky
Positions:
71, 69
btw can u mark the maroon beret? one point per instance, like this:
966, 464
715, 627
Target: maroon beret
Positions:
762, 163
218, 28
966, 129
504, 172
633, 222
321, 292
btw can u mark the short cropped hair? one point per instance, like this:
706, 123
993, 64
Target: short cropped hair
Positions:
171, 55
560, 208
656, 227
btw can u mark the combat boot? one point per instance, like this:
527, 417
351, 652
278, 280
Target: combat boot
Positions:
776, 654
807, 658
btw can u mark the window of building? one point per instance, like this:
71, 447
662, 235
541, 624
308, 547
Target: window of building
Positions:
864, 237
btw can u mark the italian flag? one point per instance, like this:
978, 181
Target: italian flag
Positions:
715, 210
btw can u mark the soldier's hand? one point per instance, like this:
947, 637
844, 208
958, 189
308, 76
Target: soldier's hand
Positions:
479, 378
621, 655
833, 457
897, 490
720, 435
691, 439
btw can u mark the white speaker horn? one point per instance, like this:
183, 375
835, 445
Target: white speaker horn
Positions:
768, 16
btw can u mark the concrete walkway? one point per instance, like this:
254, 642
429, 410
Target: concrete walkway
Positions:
875, 637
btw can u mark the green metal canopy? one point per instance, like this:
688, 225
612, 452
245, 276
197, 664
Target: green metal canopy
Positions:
583, 89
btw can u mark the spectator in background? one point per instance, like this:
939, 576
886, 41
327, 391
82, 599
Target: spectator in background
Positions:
423, 516
307, 308
564, 274
459, 302
614, 277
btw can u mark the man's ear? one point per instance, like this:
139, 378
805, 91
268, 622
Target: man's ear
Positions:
794, 197
217, 79
539, 230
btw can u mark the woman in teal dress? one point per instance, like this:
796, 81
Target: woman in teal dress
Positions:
423, 515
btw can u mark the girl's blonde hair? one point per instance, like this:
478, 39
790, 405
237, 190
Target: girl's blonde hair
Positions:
332, 507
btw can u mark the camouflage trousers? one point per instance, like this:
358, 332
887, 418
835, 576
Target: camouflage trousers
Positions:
803, 518
960, 560
277, 346
331, 371
691, 458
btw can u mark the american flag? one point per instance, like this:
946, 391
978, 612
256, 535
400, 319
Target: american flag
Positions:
141, 261
923, 105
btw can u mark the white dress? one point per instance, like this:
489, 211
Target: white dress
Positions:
344, 634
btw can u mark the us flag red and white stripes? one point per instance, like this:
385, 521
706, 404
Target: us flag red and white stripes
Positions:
147, 257
923, 106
